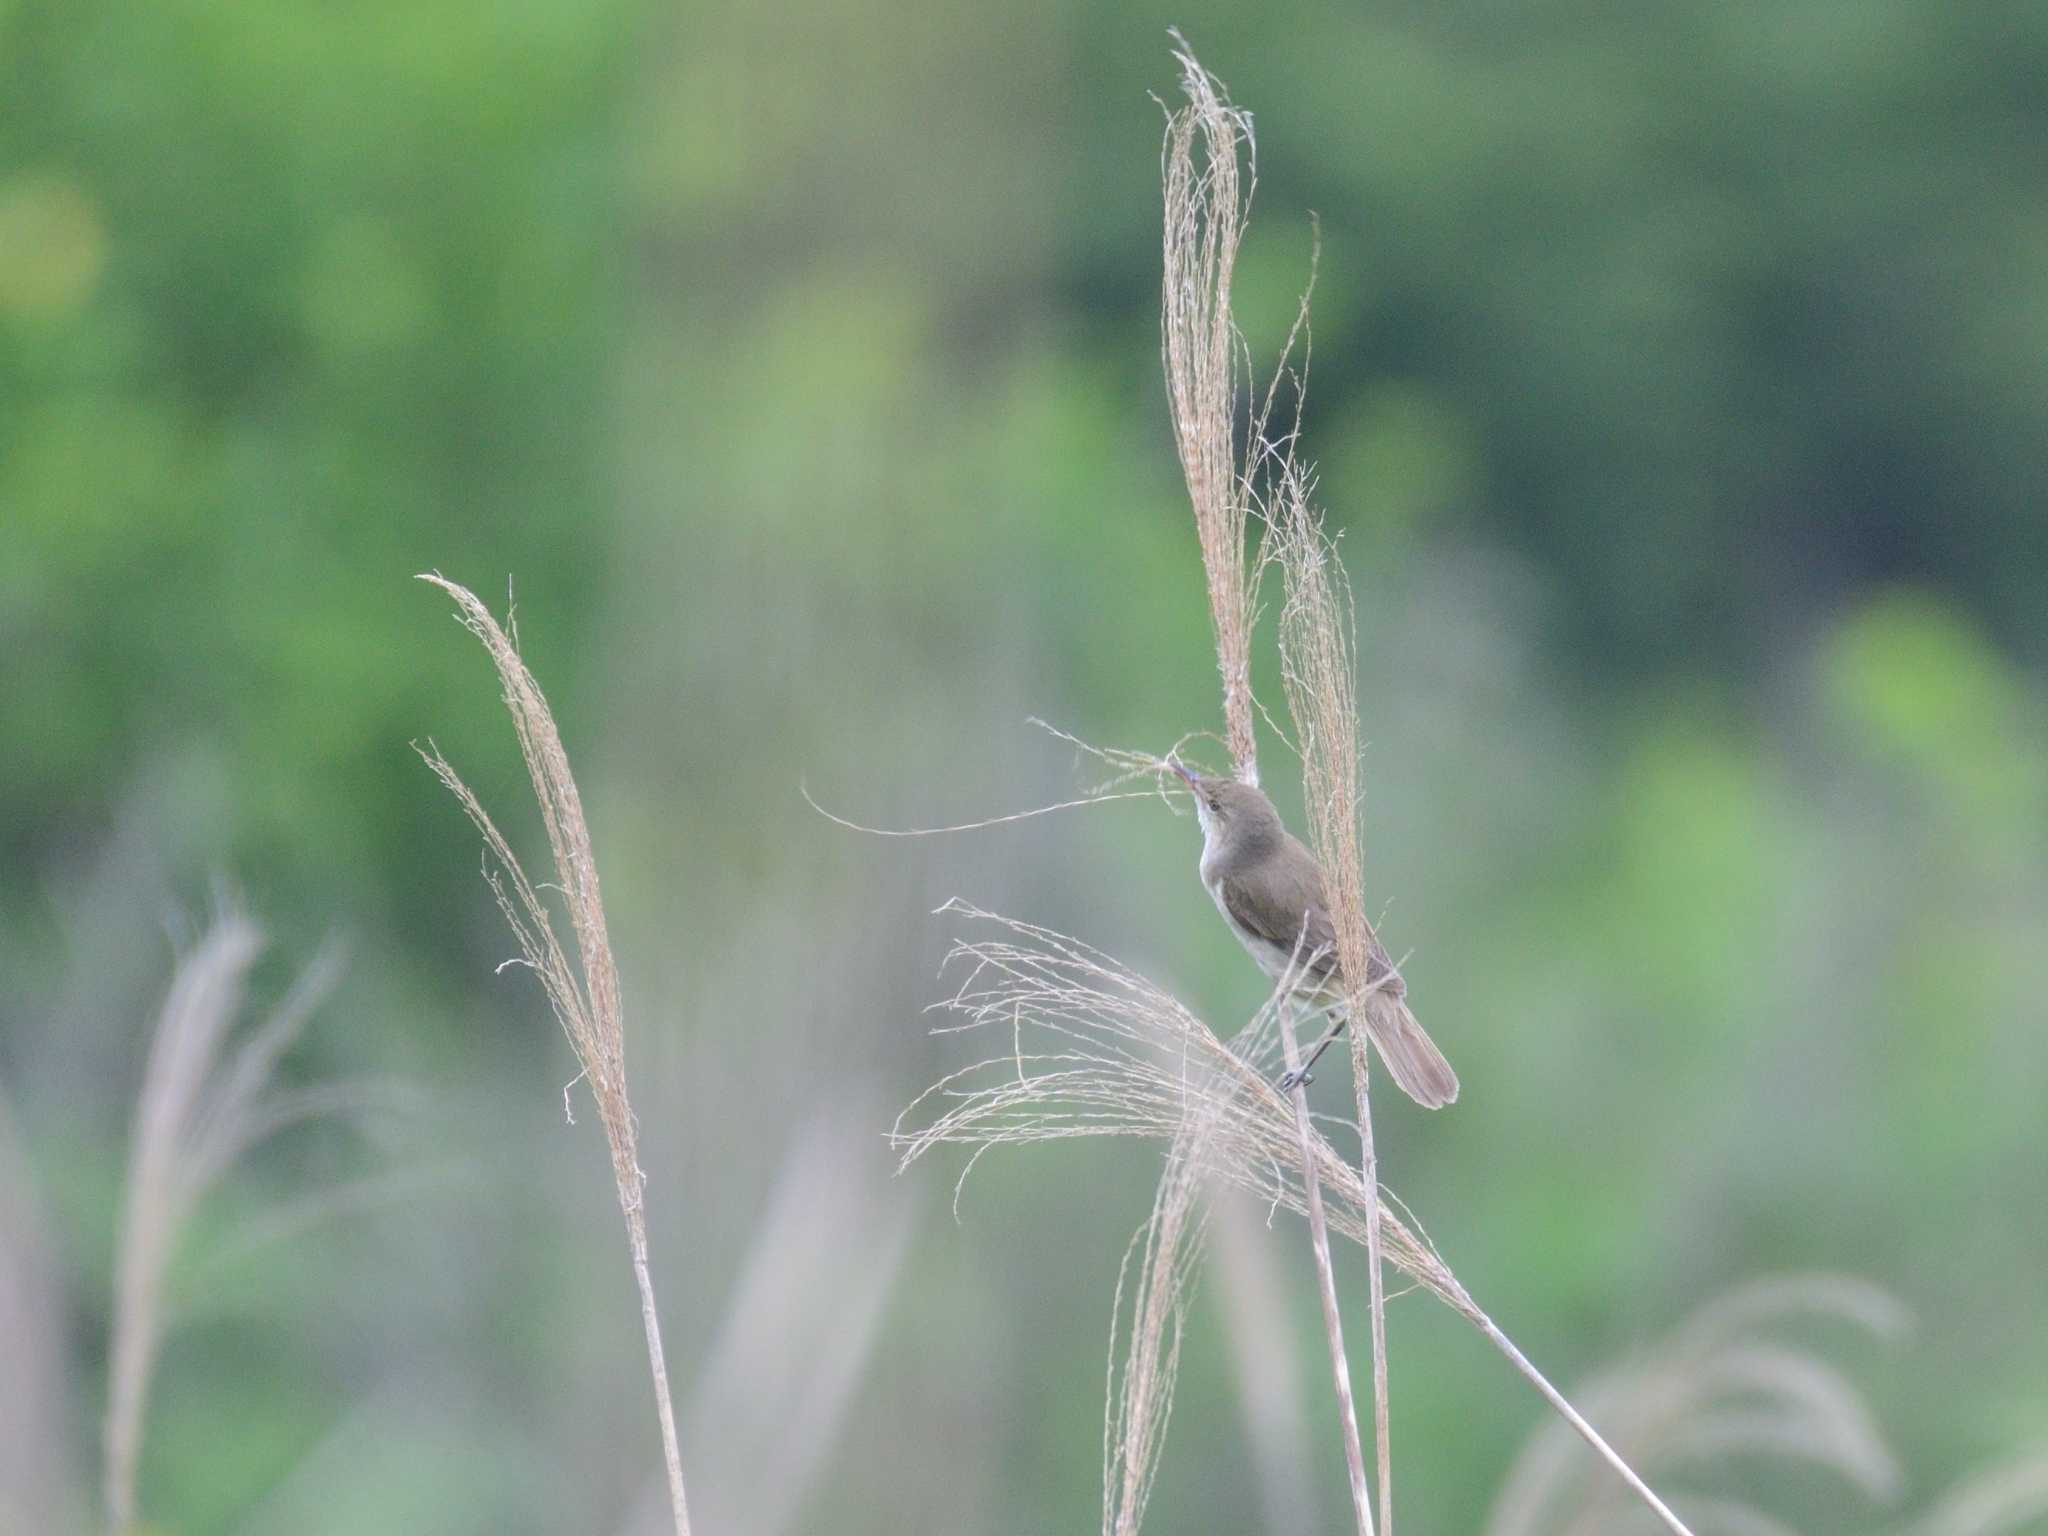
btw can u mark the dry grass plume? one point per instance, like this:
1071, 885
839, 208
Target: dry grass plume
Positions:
1081, 1045
1208, 198
202, 1106
1168, 1251
1316, 628
584, 994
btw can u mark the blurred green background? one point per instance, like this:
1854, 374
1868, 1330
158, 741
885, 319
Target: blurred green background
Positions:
1679, 383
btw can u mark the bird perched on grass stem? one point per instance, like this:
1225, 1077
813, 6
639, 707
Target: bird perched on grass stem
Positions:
1270, 891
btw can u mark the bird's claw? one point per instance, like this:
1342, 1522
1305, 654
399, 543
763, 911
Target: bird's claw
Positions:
1289, 1081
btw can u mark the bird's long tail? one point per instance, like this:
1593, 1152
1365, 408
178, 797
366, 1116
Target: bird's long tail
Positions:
1417, 1067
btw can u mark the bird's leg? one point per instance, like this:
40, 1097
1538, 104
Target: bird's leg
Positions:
1289, 1081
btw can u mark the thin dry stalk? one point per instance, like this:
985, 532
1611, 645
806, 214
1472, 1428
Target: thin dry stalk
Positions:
1127, 767
586, 1001
1168, 1247
1205, 218
1207, 201
197, 1113
1722, 1385
1316, 626
1326, 1279
1091, 1048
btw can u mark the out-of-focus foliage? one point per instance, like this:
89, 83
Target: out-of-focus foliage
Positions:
291, 294
1680, 376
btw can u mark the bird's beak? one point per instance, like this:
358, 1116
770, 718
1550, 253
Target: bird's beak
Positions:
1182, 769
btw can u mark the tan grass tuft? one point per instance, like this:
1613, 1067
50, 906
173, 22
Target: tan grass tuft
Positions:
1084, 1046
1208, 196
1317, 623
1168, 1249
584, 996
201, 1107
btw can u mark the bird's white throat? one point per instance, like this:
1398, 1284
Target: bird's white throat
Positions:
1212, 845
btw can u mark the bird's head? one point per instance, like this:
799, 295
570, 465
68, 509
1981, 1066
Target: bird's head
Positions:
1229, 810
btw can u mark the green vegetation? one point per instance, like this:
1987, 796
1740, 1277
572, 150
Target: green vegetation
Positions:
1680, 383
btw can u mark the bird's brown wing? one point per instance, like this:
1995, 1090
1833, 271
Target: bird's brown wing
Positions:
1290, 892
1293, 890
1289, 912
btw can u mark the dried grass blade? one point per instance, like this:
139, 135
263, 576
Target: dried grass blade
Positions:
1207, 198
585, 997
1326, 1283
1135, 1418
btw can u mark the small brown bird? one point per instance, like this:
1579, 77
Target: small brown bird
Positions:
1267, 885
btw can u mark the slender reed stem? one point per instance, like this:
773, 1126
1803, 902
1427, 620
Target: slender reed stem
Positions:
1571, 1416
585, 996
1326, 1280
671, 1451
1369, 1171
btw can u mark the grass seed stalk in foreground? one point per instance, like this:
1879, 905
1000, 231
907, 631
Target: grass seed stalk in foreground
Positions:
1316, 629
206, 1100
586, 1003
1207, 204
1169, 1248
1205, 217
